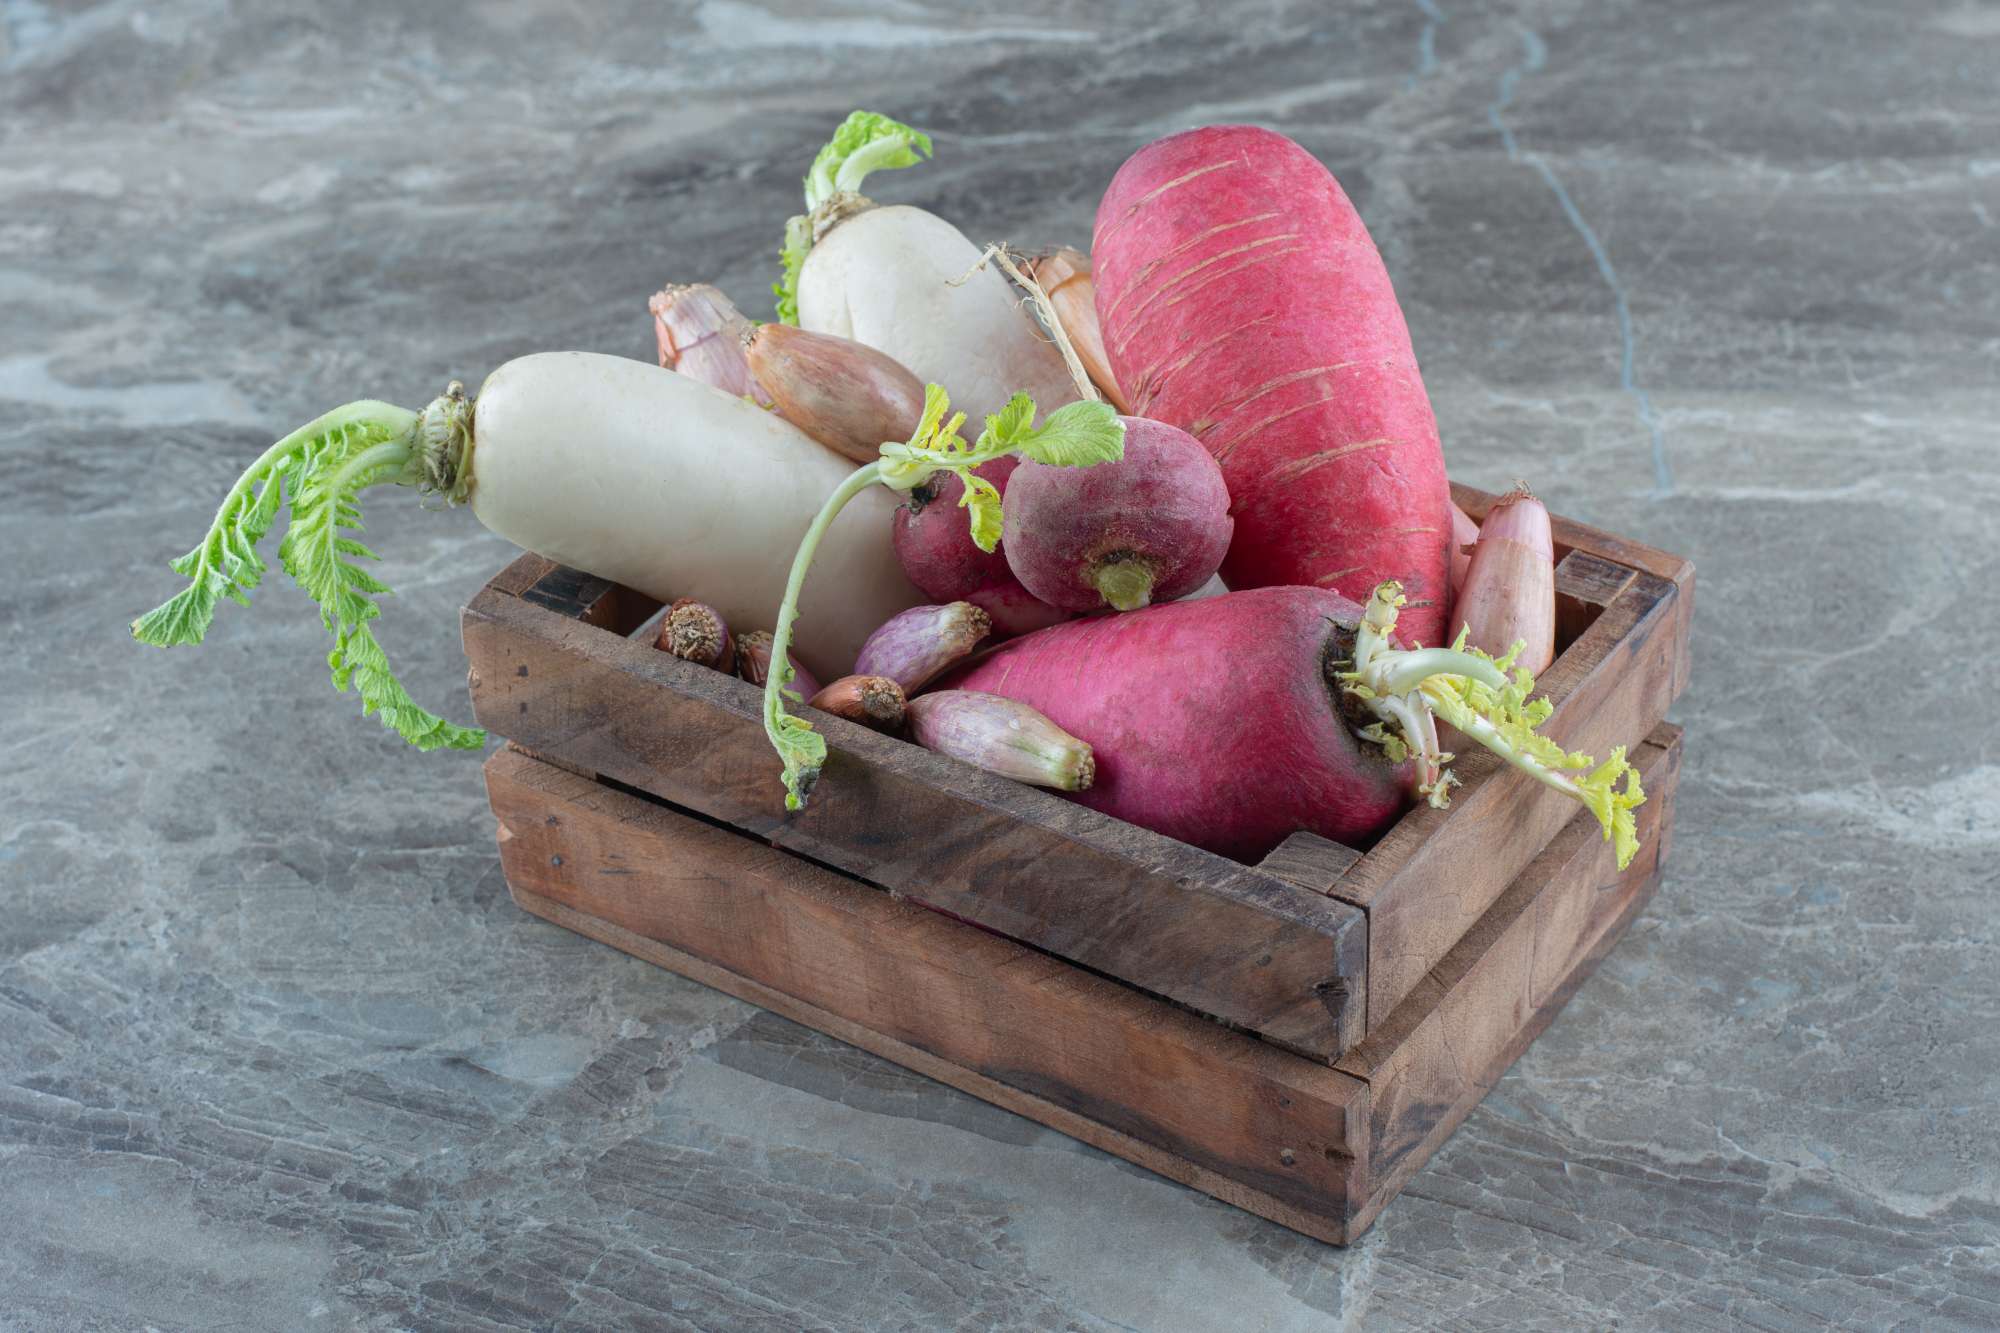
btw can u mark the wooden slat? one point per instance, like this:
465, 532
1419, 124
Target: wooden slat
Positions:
1224, 939
1437, 871
1235, 1117
1319, 1150
1585, 585
1470, 1018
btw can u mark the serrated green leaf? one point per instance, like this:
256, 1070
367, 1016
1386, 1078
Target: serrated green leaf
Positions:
1076, 435
1008, 425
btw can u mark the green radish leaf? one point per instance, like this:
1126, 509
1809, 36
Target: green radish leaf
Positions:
1010, 423
798, 240
982, 501
1075, 435
864, 143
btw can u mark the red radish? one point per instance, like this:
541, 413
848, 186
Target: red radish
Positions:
1231, 722
695, 632
1002, 736
1150, 527
939, 556
701, 335
913, 646
1241, 300
1464, 532
844, 394
753, 663
1510, 589
1213, 721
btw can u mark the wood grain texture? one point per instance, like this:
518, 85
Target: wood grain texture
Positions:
1437, 871
1222, 938
1210, 1107
1316, 1149
1430, 1062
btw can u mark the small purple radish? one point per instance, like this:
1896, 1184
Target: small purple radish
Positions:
1148, 528
913, 646
1001, 736
934, 542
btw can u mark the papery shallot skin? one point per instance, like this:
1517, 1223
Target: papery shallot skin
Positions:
1213, 720
913, 646
848, 396
1003, 736
701, 334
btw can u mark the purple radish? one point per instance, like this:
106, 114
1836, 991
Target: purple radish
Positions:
934, 543
1148, 528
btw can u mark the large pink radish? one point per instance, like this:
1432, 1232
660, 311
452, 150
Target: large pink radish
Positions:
1214, 721
1242, 300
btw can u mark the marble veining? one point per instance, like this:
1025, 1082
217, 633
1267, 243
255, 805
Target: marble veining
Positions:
277, 1052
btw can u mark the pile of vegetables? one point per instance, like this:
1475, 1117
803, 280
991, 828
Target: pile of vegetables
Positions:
1224, 384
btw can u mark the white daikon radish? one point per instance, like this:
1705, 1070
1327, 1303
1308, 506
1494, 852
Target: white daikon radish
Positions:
636, 474
896, 279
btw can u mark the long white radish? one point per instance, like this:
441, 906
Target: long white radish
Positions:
668, 486
636, 474
896, 279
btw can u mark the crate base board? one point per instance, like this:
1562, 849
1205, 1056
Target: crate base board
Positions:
1315, 1148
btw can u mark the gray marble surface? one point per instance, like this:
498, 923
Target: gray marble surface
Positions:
277, 1052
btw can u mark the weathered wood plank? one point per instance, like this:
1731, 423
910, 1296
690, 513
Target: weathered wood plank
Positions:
1319, 1150
1219, 937
1431, 1061
1212, 1108
1437, 871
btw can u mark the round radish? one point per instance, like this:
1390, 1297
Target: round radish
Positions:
937, 552
1150, 527
896, 278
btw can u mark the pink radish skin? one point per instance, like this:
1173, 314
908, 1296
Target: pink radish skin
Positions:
1241, 299
933, 540
1150, 527
1510, 586
1212, 721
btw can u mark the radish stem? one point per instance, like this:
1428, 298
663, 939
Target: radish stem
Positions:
1126, 584
1409, 690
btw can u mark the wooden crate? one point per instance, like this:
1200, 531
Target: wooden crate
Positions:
1319, 1147
1316, 951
